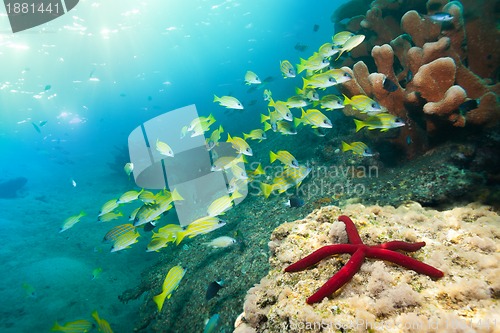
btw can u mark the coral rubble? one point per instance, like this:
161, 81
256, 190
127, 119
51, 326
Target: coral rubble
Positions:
464, 242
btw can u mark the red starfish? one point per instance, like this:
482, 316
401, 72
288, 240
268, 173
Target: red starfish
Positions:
359, 252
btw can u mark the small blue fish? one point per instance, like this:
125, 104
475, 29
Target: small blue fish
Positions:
389, 85
441, 17
468, 105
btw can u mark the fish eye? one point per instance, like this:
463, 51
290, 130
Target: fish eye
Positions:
347, 74
331, 79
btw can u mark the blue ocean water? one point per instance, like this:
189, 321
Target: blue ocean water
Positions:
93, 75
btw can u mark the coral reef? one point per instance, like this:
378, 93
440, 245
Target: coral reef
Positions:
463, 242
437, 66
10, 188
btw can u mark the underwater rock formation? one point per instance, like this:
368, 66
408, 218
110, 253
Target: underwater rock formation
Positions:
463, 242
10, 188
437, 65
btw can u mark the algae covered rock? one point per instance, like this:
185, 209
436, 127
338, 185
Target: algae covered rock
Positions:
462, 242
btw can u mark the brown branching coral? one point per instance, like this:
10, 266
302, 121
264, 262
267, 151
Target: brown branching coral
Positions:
434, 65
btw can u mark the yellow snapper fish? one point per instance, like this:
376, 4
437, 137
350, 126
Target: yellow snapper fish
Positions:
225, 162
284, 157
286, 128
200, 226
201, 121
117, 231
331, 102
339, 75
235, 184
214, 138
170, 284
327, 50
221, 242
315, 63
381, 121
283, 111
229, 102
102, 325
109, 216
322, 81
71, 221
96, 272
240, 145
340, 38
129, 196
129, 167
169, 232
289, 178
296, 102
314, 118
238, 172
363, 104
147, 197
350, 44
251, 78
77, 326
309, 93
273, 118
287, 69
256, 134
164, 148
267, 94
222, 204
109, 206
124, 241
357, 148
157, 243
149, 213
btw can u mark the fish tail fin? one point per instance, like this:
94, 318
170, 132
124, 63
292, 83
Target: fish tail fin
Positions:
176, 196
359, 124
301, 66
263, 118
346, 146
245, 136
57, 327
305, 83
272, 156
299, 91
346, 100
296, 122
267, 126
216, 99
221, 130
211, 118
271, 102
179, 237
315, 103
303, 114
229, 139
82, 213
159, 300
266, 189
259, 170
236, 195
95, 315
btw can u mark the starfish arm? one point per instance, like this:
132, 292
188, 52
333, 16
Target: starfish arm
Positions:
340, 278
400, 245
321, 254
350, 228
403, 260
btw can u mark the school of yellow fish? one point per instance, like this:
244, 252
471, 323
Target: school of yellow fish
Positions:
279, 118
